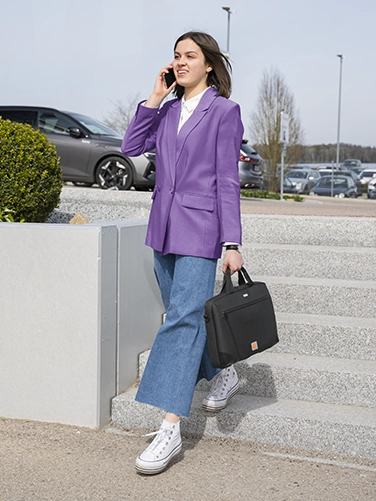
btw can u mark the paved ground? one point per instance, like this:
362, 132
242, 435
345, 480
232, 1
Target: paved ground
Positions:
48, 462
312, 206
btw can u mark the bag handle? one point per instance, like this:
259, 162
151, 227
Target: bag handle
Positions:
243, 278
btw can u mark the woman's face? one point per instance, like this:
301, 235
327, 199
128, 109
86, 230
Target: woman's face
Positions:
190, 66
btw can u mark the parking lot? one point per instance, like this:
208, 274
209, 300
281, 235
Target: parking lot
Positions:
312, 206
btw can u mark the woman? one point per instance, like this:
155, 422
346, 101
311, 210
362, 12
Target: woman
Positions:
195, 212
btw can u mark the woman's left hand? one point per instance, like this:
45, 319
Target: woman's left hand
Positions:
233, 260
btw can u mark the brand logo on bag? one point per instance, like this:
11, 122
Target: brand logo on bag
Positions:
254, 345
245, 295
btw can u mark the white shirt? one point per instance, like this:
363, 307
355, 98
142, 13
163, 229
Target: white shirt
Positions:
188, 107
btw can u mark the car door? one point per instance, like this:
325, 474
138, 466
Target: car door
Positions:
74, 152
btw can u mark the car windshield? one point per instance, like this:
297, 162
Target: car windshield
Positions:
349, 163
368, 174
338, 182
297, 174
94, 126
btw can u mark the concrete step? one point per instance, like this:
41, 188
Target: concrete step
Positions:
350, 263
326, 336
339, 429
309, 230
314, 379
318, 296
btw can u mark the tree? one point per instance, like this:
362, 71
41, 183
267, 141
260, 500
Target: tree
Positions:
273, 98
119, 118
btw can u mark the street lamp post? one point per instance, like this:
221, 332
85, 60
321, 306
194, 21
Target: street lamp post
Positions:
229, 12
339, 112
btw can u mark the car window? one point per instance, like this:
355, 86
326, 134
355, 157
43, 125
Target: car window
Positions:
53, 122
20, 116
297, 174
94, 126
340, 182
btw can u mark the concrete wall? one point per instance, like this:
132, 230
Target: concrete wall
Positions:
65, 347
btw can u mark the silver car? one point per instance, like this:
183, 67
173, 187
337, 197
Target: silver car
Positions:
303, 179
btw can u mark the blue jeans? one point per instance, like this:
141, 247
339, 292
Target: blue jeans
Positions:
179, 357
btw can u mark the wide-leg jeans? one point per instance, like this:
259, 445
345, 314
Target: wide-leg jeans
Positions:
179, 357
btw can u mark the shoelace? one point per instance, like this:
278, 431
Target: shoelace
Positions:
160, 436
218, 384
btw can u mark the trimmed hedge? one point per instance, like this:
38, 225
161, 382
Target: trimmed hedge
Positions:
30, 174
269, 194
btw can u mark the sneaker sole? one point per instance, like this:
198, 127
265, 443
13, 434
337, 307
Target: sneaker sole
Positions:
212, 408
158, 469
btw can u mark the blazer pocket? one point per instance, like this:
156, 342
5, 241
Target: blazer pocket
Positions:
198, 202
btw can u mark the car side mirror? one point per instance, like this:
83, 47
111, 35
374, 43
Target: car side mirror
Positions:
75, 132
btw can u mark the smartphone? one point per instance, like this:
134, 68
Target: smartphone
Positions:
169, 77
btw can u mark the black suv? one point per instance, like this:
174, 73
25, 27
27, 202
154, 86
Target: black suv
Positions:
89, 150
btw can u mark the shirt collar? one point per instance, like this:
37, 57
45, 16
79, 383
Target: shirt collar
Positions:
192, 103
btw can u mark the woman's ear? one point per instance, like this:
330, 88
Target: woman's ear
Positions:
209, 69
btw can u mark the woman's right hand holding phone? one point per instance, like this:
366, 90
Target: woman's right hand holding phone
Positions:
160, 91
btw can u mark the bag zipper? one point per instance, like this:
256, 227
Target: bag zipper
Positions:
239, 307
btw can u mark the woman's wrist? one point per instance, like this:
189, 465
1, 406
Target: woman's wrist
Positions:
232, 247
153, 101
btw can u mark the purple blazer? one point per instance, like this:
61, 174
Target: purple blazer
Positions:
196, 199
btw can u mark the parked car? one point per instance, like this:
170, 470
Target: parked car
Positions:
89, 150
352, 163
288, 187
372, 193
250, 174
350, 173
303, 179
371, 186
343, 186
365, 177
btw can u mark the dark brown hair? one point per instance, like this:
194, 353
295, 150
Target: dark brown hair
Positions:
220, 75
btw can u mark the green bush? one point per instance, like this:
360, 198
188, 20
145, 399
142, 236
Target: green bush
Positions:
30, 174
269, 194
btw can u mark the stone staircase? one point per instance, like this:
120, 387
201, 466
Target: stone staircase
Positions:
316, 389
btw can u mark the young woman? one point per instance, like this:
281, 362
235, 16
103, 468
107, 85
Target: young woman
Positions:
195, 213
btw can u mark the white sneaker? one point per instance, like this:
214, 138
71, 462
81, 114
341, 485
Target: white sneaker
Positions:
225, 385
163, 448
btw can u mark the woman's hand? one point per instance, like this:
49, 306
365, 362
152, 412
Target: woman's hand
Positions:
160, 90
233, 260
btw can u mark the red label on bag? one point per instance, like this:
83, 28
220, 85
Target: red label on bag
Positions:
254, 346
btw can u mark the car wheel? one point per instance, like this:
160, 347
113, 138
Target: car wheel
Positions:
114, 173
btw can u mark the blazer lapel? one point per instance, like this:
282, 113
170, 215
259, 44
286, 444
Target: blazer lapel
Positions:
172, 132
198, 114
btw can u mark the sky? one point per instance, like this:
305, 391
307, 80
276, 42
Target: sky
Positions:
86, 55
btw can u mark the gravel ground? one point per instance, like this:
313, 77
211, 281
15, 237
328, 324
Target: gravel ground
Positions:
103, 206
48, 462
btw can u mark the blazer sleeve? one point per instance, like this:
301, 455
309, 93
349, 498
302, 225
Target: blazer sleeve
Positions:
229, 140
140, 136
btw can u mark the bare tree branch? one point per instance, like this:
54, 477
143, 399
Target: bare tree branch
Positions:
273, 98
119, 118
